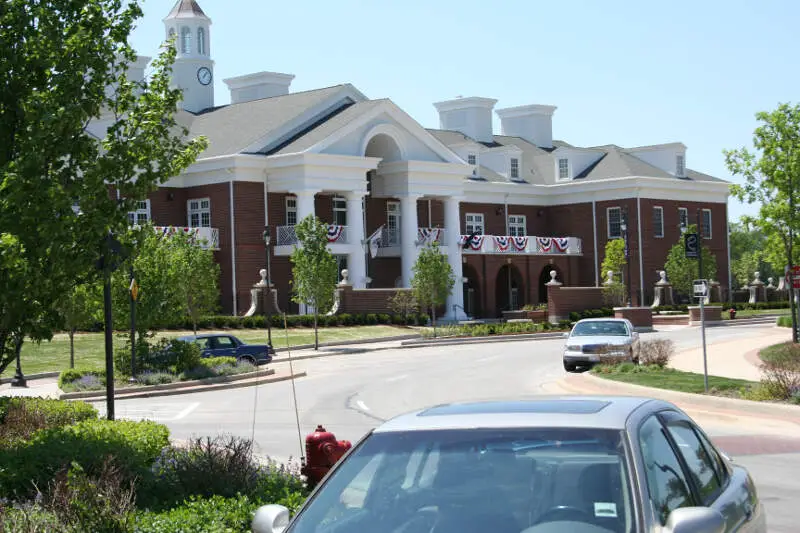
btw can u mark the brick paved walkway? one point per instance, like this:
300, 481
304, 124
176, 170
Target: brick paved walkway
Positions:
756, 444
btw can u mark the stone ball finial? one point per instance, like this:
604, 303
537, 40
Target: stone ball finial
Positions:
345, 276
263, 274
662, 274
609, 277
757, 275
771, 281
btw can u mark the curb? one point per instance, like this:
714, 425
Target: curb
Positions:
32, 377
215, 387
329, 354
170, 386
485, 339
764, 409
348, 343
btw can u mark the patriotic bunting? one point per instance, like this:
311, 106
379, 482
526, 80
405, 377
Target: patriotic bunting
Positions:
334, 232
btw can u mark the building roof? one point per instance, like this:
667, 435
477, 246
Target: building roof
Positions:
186, 8
232, 128
608, 412
618, 163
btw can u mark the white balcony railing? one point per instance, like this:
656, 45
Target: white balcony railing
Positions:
336, 235
497, 244
205, 237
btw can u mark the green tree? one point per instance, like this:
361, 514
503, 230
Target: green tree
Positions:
614, 261
432, 280
403, 303
750, 252
313, 269
771, 172
81, 307
681, 271
176, 279
63, 66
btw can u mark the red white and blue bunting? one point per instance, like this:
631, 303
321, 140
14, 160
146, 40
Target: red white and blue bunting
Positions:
562, 243
168, 231
502, 243
334, 232
544, 244
427, 235
475, 244
520, 243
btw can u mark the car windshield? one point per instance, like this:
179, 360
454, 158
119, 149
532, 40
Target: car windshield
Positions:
610, 328
477, 480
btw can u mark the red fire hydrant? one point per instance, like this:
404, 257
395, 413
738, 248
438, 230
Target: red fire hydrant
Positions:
322, 452
732, 312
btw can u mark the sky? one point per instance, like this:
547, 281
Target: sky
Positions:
623, 72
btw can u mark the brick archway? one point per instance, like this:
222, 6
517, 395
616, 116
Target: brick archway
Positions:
472, 291
509, 288
544, 279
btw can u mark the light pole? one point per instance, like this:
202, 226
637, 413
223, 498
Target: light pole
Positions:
624, 227
19, 378
268, 309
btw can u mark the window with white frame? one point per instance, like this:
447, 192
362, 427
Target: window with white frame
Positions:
516, 225
514, 169
614, 217
201, 41
563, 168
472, 159
339, 211
200, 213
186, 40
291, 210
706, 223
683, 218
658, 222
474, 223
680, 165
141, 215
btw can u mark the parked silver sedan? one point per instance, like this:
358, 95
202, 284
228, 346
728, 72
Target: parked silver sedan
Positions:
593, 340
578, 464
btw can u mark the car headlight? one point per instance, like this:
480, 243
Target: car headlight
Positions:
573, 347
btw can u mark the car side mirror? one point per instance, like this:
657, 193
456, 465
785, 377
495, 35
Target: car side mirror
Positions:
695, 520
566, 335
270, 519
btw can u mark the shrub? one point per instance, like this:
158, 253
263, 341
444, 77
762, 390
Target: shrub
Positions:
216, 514
784, 321
656, 352
22, 417
154, 378
30, 464
211, 362
75, 374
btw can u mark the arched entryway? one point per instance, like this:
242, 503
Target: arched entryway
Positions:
472, 295
509, 289
544, 279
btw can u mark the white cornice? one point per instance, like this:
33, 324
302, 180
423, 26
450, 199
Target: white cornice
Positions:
526, 111
655, 147
315, 159
465, 103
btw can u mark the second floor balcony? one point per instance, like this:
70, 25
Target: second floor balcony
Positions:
515, 245
205, 237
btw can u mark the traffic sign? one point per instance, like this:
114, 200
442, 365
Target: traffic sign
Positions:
700, 288
691, 245
134, 288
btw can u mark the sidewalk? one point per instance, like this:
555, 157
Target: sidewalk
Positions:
731, 359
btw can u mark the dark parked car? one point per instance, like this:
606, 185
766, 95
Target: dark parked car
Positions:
574, 464
224, 345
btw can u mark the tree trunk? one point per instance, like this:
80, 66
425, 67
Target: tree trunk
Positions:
792, 290
433, 319
72, 348
194, 326
316, 331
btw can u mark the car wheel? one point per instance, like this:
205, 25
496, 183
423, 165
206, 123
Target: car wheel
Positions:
569, 367
247, 359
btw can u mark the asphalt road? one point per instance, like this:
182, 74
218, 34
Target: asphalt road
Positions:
350, 394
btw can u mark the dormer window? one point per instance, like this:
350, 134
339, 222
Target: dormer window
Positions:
186, 40
514, 169
472, 159
563, 168
680, 165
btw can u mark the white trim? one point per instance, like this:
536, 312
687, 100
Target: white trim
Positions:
199, 211
661, 209
710, 224
390, 130
511, 161
596, 255
608, 222
652, 147
686, 210
639, 251
233, 247
558, 169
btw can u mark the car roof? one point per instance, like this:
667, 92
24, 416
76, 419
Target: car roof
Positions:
202, 336
597, 412
606, 319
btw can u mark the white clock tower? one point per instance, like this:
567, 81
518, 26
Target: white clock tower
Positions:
193, 71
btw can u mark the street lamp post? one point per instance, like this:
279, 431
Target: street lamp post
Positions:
19, 378
624, 228
268, 309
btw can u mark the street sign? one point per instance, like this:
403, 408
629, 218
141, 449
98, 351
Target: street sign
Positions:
134, 289
700, 288
691, 245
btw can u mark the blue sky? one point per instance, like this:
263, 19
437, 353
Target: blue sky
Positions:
626, 72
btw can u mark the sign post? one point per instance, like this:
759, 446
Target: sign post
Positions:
700, 289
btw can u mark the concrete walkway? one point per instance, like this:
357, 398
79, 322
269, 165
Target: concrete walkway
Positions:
732, 359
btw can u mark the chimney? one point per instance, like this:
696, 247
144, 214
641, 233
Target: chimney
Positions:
471, 116
534, 123
257, 86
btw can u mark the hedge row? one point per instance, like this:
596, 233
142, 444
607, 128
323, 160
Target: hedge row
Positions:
591, 313
738, 306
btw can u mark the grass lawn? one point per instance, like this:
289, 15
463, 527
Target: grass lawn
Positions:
782, 354
89, 352
755, 312
671, 379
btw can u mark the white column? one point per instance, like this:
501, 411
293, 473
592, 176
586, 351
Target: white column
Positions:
408, 236
356, 259
452, 228
305, 203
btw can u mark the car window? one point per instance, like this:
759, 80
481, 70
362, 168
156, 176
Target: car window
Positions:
612, 328
224, 342
716, 457
700, 462
496, 480
666, 481
203, 344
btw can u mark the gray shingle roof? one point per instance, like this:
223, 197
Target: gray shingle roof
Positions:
449, 137
328, 127
232, 128
186, 7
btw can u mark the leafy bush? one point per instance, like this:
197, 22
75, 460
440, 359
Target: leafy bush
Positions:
32, 463
656, 352
22, 417
155, 378
591, 313
197, 515
211, 362
780, 370
72, 375
784, 321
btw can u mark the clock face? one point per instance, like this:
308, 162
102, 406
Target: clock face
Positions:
204, 75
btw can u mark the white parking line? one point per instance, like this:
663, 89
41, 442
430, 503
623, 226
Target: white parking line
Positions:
361, 405
487, 359
396, 378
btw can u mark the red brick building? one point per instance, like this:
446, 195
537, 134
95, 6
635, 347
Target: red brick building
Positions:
534, 204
